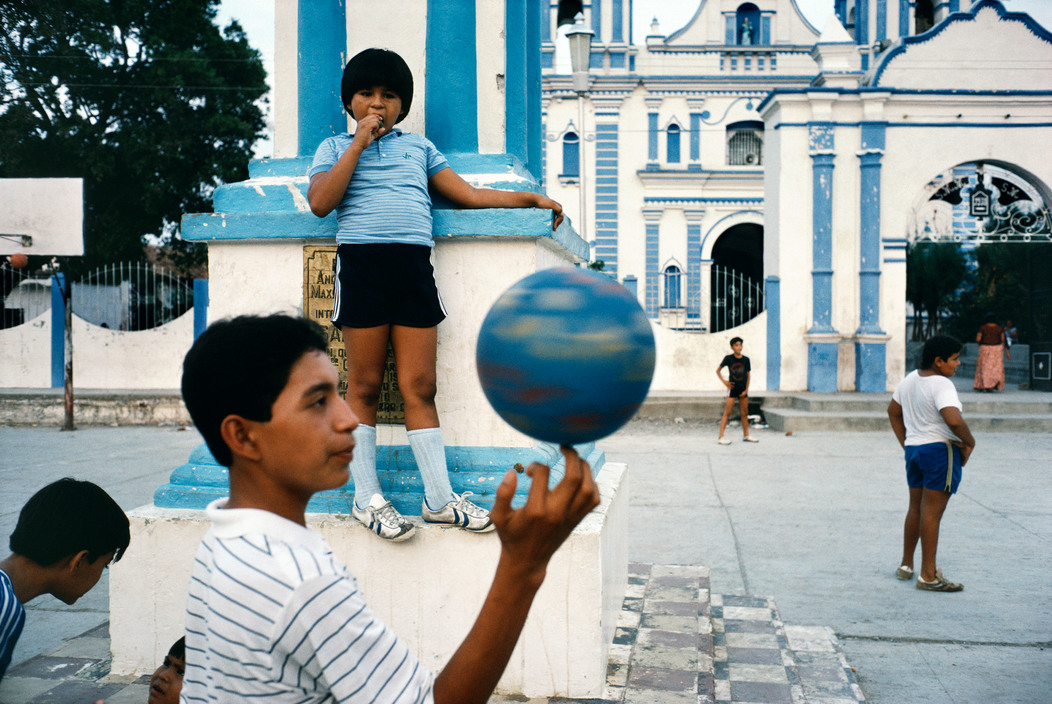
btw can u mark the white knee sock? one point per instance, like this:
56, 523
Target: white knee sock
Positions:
363, 465
430, 454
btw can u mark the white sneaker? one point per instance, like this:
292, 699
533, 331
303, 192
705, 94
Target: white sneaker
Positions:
723, 441
460, 512
750, 438
384, 519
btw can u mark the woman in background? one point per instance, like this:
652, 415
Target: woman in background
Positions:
990, 365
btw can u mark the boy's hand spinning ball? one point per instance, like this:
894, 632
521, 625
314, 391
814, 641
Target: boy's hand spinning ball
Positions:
566, 355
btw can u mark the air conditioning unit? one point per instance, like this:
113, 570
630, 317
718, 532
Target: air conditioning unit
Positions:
752, 158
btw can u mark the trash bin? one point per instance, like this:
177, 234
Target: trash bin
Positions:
1041, 366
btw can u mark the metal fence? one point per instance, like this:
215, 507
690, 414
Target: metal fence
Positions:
736, 299
128, 296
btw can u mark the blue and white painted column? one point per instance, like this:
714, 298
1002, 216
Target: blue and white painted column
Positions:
696, 107
822, 338
695, 316
870, 341
607, 195
652, 221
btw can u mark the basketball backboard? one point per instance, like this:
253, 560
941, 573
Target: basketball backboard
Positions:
42, 216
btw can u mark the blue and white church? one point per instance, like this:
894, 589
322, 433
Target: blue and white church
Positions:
750, 174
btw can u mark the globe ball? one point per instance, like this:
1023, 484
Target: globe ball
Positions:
566, 355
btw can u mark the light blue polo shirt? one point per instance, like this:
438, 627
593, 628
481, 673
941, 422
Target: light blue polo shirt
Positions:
387, 199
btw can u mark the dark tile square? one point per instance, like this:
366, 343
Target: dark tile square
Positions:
625, 636
706, 686
717, 611
663, 679
755, 656
721, 670
671, 639
635, 568
45, 667
705, 643
767, 692
719, 639
632, 579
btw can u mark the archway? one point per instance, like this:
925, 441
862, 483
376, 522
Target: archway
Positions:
979, 241
736, 277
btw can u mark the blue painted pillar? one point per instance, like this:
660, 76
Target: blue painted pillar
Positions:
322, 47
515, 79
822, 341
773, 303
652, 138
451, 83
200, 306
870, 367
535, 19
862, 29
904, 18
58, 332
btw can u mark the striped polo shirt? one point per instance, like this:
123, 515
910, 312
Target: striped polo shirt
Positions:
273, 616
12, 618
387, 199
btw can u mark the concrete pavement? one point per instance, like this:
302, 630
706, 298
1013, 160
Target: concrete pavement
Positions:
812, 520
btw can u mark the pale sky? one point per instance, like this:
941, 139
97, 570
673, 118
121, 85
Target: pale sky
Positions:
257, 19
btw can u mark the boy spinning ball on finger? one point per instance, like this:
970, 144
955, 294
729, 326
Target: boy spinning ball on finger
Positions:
377, 181
271, 613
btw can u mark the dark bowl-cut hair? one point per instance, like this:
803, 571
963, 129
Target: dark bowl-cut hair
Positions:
66, 517
736, 339
178, 649
940, 346
378, 67
240, 367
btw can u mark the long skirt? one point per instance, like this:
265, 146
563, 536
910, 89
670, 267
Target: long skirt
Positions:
990, 368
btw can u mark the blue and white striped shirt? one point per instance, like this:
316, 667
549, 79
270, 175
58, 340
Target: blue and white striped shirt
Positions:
12, 618
387, 199
273, 616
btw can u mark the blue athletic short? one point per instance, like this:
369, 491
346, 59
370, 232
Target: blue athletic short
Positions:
386, 284
936, 465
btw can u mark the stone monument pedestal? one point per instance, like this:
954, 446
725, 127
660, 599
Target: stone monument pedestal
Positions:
428, 589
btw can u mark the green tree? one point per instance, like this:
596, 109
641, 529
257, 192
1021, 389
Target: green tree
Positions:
1004, 282
934, 274
146, 100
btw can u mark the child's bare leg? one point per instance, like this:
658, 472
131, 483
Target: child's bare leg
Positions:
726, 414
743, 405
911, 528
416, 351
933, 504
366, 350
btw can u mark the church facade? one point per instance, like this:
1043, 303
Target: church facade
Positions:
752, 174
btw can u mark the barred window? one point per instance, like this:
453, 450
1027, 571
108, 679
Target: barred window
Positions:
672, 277
745, 144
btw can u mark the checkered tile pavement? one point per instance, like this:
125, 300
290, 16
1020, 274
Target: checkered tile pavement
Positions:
675, 643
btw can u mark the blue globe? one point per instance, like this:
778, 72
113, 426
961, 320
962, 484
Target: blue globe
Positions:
566, 355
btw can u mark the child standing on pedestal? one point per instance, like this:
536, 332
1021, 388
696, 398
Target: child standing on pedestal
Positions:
377, 181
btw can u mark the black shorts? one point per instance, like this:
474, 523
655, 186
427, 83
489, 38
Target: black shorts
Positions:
737, 391
386, 284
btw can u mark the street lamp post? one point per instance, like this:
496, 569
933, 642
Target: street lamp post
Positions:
580, 37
